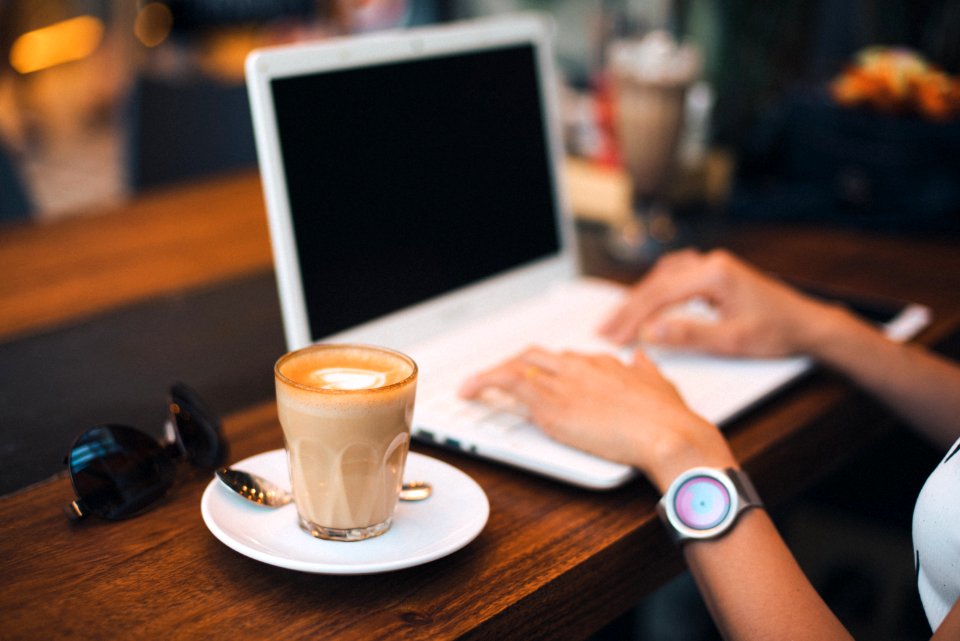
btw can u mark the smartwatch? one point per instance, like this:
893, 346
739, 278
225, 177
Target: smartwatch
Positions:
705, 502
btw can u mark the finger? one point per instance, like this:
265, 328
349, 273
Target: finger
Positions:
641, 360
694, 335
680, 257
661, 290
619, 327
567, 363
507, 373
510, 377
622, 325
499, 376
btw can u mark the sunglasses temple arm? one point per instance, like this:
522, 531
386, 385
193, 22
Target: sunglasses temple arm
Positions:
74, 510
172, 442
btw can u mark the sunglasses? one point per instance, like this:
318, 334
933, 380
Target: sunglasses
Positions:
118, 471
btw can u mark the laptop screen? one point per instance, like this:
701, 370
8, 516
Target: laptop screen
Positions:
408, 180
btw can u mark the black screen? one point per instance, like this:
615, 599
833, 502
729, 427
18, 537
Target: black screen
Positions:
410, 179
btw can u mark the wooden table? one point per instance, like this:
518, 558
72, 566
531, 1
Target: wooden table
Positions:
554, 562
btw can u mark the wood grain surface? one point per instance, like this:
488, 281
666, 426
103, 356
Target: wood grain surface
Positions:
159, 243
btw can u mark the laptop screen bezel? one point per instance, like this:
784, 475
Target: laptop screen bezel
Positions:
410, 325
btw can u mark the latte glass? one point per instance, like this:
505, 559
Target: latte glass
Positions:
345, 411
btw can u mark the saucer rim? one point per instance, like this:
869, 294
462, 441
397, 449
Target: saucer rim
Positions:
479, 517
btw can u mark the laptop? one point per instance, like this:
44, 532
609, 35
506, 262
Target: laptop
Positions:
413, 189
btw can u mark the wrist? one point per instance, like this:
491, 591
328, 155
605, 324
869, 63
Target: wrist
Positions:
818, 328
699, 444
840, 340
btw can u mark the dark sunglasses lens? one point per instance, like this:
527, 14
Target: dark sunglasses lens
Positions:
199, 428
118, 471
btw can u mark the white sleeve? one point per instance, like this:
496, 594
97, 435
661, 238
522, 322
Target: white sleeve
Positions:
936, 538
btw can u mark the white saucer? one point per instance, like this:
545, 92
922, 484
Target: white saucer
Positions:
422, 531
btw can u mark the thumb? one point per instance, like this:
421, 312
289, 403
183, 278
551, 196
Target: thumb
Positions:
684, 333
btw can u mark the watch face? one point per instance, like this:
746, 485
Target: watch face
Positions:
702, 503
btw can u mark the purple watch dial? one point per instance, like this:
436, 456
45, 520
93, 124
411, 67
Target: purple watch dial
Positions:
702, 503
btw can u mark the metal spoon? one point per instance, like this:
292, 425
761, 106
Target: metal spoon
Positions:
263, 492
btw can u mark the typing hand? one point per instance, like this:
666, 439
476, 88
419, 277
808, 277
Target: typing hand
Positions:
623, 412
753, 314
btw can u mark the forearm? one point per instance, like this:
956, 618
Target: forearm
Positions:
923, 388
748, 577
754, 587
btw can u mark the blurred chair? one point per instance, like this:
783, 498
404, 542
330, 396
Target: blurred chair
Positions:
178, 129
15, 202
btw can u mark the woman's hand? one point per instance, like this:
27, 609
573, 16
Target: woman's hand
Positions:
756, 314
623, 412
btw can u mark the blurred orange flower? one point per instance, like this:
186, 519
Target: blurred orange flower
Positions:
897, 80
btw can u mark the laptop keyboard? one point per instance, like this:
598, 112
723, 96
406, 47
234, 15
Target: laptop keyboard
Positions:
716, 388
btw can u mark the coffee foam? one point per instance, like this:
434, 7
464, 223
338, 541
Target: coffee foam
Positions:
347, 378
330, 377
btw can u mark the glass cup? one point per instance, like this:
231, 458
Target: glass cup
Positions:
345, 411
649, 78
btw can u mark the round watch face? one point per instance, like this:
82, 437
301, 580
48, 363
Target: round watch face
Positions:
702, 502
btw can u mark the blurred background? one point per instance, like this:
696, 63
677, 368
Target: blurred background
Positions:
101, 99
836, 112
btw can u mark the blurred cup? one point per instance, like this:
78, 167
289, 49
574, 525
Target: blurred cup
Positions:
650, 77
345, 411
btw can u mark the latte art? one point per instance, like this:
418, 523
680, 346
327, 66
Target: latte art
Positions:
347, 378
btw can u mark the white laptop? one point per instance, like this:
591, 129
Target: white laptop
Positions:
412, 182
